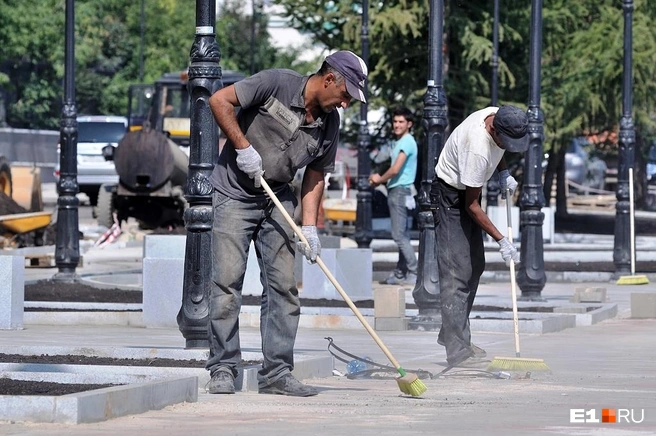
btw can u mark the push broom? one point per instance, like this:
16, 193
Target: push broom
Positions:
408, 383
633, 279
516, 363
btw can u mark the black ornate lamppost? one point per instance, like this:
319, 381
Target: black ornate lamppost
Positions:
427, 289
67, 243
621, 249
493, 187
530, 274
363, 213
204, 80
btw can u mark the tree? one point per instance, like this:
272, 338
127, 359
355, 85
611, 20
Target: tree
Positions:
581, 58
107, 46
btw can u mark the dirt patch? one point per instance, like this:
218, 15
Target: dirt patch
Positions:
48, 290
67, 359
32, 387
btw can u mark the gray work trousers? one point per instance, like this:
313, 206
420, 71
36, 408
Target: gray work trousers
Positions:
237, 223
461, 262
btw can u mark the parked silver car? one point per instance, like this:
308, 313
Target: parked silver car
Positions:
94, 133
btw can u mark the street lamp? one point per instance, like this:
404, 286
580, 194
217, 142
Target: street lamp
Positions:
530, 274
626, 157
204, 80
363, 212
427, 289
67, 242
141, 42
493, 187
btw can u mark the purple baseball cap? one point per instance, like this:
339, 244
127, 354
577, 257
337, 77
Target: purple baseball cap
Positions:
354, 70
511, 124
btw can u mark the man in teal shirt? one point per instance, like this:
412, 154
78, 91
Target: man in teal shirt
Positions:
400, 178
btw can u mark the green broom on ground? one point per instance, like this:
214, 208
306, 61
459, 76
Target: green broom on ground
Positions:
633, 279
516, 363
408, 383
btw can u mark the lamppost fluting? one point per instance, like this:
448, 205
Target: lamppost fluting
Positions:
363, 212
626, 156
493, 187
67, 242
530, 274
204, 80
427, 289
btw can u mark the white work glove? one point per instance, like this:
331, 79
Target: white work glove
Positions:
314, 249
506, 181
508, 251
250, 162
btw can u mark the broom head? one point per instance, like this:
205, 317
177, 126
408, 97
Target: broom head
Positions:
633, 280
517, 364
410, 384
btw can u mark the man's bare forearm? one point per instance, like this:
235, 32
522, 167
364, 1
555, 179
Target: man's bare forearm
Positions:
222, 104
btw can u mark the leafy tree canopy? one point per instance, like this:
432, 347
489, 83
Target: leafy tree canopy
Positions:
107, 52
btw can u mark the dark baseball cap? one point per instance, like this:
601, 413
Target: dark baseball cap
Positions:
354, 70
511, 124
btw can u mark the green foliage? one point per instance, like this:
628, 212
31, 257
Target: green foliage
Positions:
107, 52
582, 56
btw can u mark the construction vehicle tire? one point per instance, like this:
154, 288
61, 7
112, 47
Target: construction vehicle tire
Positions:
105, 209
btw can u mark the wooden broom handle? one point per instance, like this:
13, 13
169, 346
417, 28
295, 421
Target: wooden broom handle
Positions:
513, 281
329, 275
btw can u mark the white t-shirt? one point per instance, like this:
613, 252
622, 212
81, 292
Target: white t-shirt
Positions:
470, 155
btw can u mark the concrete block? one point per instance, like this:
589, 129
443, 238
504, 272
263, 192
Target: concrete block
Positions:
162, 291
352, 267
163, 280
499, 217
12, 292
643, 305
391, 324
589, 295
327, 241
164, 246
389, 303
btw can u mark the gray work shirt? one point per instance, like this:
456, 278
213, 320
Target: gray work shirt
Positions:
272, 117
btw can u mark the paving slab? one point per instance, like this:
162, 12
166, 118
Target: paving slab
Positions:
98, 404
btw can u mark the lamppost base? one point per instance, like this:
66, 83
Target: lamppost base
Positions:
197, 343
66, 277
426, 322
531, 296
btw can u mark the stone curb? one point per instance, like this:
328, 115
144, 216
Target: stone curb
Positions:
98, 404
305, 366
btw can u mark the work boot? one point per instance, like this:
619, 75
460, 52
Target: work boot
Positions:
478, 351
394, 279
222, 382
472, 362
288, 385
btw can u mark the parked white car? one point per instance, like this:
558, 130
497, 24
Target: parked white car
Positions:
95, 132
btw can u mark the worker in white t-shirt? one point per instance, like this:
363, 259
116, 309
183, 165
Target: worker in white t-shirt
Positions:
471, 154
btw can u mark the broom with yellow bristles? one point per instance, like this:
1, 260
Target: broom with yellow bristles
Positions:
516, 363
408, 383
633, 279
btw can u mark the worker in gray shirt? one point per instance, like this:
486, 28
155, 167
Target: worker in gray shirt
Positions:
287, 121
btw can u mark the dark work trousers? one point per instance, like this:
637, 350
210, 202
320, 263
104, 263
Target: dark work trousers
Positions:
461, 261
